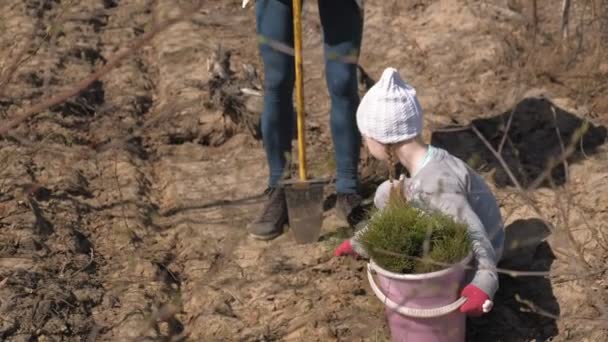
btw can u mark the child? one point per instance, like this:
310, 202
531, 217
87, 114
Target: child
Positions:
390, 120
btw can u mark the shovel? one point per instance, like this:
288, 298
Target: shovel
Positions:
304, 196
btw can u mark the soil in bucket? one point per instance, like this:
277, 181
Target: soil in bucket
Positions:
419, 259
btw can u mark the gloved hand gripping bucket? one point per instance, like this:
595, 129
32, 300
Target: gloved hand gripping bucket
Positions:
422, 307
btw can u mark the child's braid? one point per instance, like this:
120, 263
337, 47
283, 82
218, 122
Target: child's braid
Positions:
390, 152
398, 190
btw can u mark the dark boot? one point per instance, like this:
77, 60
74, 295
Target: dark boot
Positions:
269, 224
349, 208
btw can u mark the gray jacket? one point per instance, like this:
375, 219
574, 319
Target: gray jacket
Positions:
447, 184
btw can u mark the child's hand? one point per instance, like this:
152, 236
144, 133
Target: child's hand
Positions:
477, 302
345, 248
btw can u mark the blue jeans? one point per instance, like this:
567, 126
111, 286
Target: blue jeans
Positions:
342, 22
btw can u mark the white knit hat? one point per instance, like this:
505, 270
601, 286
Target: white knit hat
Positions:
390, 112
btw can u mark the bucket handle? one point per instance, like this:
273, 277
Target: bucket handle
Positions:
412, 312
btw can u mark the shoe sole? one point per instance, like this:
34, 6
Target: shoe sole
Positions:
265, 237
270, 236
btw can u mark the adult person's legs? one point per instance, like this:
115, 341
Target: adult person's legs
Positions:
274, 22
342, 22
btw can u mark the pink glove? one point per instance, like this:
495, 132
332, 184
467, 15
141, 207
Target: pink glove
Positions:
345, 248
477, 302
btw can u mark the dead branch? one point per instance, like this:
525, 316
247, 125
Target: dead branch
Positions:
120, 195
597, 233
18, 59
535, 17
22, 56
532, 307
563, 208
597, 301
507, 169
565, 211
112, 63
582, 276
565, 18
505, 136
561, 142
567, 153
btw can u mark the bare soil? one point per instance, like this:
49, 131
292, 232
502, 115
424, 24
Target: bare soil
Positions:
123, 210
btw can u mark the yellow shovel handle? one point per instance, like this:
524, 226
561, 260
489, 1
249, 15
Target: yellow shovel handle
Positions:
297, 29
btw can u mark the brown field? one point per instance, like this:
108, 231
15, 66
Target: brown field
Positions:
123, 209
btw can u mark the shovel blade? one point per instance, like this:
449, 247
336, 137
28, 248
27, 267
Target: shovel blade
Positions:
305, 209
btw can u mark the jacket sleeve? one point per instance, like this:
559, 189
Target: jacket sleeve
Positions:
456, 204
